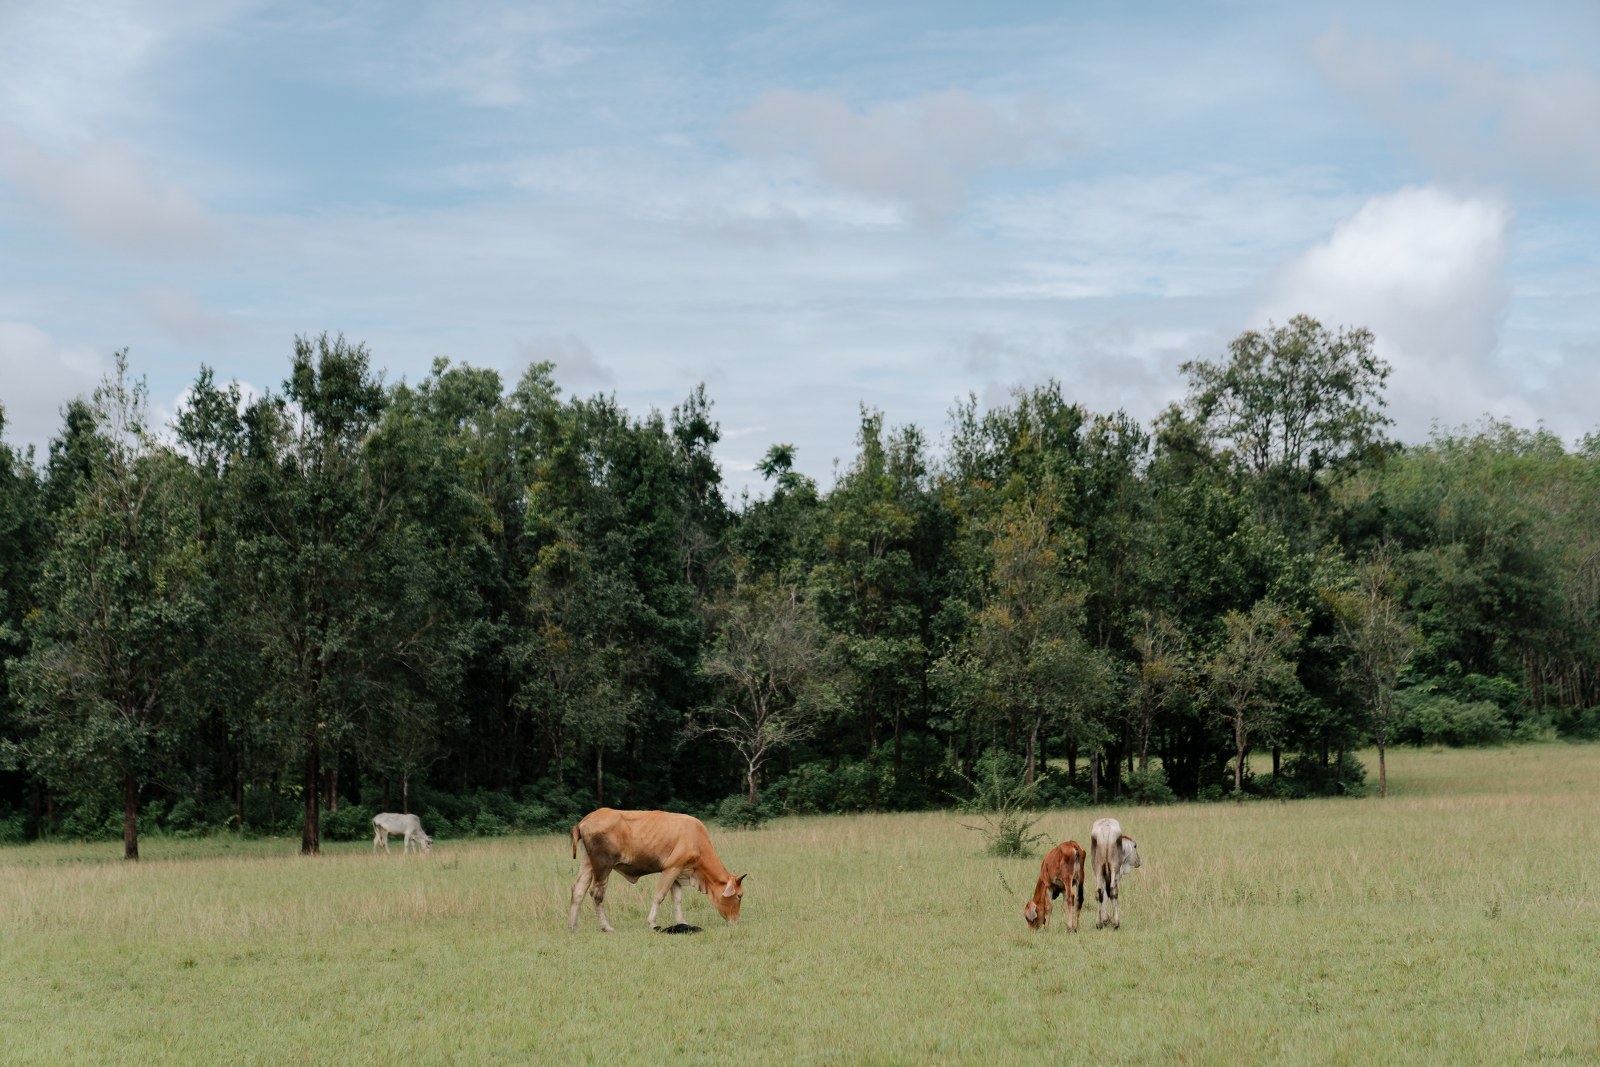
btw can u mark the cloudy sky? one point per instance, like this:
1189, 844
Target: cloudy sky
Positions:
807, 206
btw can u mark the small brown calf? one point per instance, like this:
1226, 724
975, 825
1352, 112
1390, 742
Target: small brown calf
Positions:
1061, 872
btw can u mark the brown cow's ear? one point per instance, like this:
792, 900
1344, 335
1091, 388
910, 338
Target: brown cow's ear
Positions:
732, 886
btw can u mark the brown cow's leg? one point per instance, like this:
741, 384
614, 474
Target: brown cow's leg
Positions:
579, 888
669, 881
677, 901
598, 891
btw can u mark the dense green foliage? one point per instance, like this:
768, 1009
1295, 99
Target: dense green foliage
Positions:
498, 607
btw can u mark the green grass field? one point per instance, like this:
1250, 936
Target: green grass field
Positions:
1458, 921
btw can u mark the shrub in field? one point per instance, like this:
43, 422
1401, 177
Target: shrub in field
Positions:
352, 822
13, 828
737, 812
1426, 716
807, 790
1148, 787
1005, 804
489, 824
1578, 724
1056, 791
1307, 776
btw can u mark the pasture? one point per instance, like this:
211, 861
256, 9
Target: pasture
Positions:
1458, 921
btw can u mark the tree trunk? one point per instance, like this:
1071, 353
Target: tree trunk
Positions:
897, 743
405, 794
237, 759
1277, 760
130, 817
310, 829
1033, 748
600, 777
1094, 777
1238, 769
750, 780
333, 787
1383, 771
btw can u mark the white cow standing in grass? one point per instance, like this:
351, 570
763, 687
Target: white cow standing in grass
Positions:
1112, 854
390, 823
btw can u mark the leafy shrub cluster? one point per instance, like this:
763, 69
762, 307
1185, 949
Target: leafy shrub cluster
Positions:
1304, 776
1426, 716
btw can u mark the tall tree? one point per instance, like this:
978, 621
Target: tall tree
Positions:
1023, 660
1293, 398
1251, 673
119, 615
1380, 640
868, 587
340, 577
772, 667
23, 541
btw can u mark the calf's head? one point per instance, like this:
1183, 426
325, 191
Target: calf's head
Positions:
1130, 853
1036, 915
728, 896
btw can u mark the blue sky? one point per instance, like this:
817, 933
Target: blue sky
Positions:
808, 206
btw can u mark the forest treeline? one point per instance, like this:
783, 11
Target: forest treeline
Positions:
497, 607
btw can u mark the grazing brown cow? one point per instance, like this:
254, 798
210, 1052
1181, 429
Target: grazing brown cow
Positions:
637, 843
1061, 872
1114, 855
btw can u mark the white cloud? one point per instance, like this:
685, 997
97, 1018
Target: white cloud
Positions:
498, 56
921, 153
38, 377
71, 67
108, 195
576, 364
182, 315
1425, 270
1472, 117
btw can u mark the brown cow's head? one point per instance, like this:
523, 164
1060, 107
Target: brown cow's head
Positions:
1036, 916
727, 898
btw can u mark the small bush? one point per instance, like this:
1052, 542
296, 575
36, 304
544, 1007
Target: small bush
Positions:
1579, 724
1004, 803
1148, 787
489, 824
13, 828
184, 818
352, 822
737, 812
1424, 716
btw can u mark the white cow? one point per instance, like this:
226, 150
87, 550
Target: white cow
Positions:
390, 823
1113, 854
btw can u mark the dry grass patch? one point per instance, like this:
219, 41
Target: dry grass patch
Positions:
1456, 921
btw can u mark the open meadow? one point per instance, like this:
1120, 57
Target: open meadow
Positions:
1458, 921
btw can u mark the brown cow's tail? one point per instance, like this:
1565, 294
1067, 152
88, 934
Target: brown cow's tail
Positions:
1077, 873
575, 839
